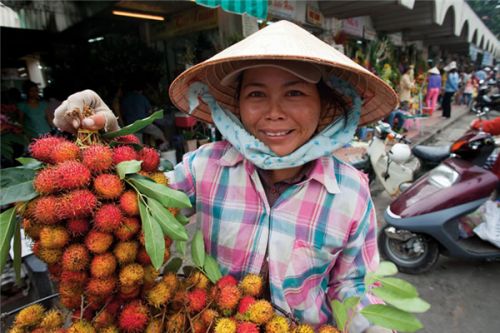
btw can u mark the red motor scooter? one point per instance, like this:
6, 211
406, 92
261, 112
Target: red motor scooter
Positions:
424, 220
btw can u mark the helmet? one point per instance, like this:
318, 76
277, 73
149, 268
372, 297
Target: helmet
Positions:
400, 153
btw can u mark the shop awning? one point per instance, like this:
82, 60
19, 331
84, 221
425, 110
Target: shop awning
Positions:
255, 8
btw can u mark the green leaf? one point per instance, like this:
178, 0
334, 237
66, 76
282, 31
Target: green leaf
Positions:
182, 219
350, 303
198, 249
389, 317
29, 162
17, 253
339, 313
173, 265
212, 269
153, 237
15, 193
386, 268
398, 287
165, 195
180, 246
134, 127
413, 304
7, 224
167, 221
127, 167
16, 175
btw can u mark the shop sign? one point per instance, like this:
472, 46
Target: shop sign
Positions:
193, 20
353, 26
472, 52
314, 16
282, 8
396, 38
487, 59
369, 33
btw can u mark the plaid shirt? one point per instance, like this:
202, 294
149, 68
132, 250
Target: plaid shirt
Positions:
320, 235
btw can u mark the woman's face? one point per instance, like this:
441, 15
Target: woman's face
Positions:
278, 108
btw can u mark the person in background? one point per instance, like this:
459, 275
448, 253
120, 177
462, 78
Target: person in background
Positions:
468, 82
406, 85
34, 112
54, 98
433, 88
451, 87
271, 199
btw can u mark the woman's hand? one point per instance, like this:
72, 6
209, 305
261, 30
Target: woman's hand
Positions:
69, 115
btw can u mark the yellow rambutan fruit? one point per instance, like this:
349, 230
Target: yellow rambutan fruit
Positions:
198, 280
154, 326
328, 329
49, 256
159, 294
173, 210
109, 329
129, 292
252, 285
52, 319
158, 177
53, 237
225, 325
16, 329
303, 328
131, 274
277, 324
81, 326
150, 276
126, 252
31, 228
103, 265
209, 316
98, 241
176, 323
30, 316
260, 312
171, 280
103, 318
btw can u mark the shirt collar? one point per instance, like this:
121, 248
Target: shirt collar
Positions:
322, 170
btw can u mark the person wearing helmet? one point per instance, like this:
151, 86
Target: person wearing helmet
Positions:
271, 198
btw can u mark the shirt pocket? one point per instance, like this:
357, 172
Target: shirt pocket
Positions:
306, 279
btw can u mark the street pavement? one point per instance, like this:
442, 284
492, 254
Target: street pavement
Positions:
464, 295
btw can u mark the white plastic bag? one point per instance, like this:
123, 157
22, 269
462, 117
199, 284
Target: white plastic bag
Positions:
489, 230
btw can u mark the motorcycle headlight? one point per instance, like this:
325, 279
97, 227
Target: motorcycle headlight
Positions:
443, 176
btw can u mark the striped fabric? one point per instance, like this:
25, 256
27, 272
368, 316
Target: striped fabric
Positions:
255, 8
320, 234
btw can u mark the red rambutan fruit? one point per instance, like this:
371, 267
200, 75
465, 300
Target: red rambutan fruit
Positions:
86, 315
129, 203
55, 270
245, 303
71, 175
97, 158
123, 153
197, 300
328, 329
75, 258
108, 218
45, 181
98, 242
103, 265
143, 257
150, 159
209, 316
134, 317
46, 209
72, 302
70, 289
42, 148
78, 227
128, 229
53, 237
77, 204
31, 228
228, 298
129, 292
101, 286
247, 327
108, 186
103, 319
226, 280
74, 277
129, 138
65, 151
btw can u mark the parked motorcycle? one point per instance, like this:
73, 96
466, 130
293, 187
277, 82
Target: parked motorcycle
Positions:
424, 220
485, 101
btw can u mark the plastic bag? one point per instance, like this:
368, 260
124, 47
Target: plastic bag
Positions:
489, 229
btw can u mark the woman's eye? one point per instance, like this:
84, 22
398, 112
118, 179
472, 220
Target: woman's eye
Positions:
256, 94
294, 93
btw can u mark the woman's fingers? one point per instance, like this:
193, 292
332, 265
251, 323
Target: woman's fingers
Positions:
95, 122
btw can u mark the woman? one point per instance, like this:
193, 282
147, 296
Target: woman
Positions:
433, 89
406, 85
451, 87
34, 112
271, 198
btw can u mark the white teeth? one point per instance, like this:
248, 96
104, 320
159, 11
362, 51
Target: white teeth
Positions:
276, 133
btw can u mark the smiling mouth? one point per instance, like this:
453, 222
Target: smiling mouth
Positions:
277, 133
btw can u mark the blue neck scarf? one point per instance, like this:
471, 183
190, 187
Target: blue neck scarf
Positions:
332, 137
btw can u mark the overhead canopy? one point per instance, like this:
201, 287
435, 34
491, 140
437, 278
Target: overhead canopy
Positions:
255, 8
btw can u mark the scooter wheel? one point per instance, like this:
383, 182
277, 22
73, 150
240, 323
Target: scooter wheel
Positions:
414, 256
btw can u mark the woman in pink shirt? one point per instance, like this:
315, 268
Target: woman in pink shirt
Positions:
271, 198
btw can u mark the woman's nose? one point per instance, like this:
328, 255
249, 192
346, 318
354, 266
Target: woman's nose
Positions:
276, 111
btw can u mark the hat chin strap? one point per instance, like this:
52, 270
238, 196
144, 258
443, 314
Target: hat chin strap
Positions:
332, 137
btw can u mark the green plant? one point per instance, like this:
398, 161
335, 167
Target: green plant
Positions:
400, 296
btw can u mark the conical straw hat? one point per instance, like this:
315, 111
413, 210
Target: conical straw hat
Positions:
282, 40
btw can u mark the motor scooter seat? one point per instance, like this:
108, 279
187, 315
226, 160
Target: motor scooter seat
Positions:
495, 96
431, 153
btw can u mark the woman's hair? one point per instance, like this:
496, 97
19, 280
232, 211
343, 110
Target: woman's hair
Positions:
27, 85
333, 104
